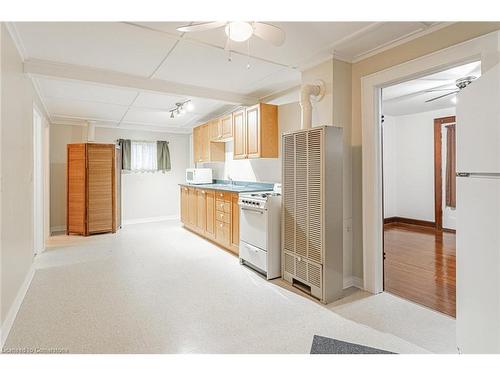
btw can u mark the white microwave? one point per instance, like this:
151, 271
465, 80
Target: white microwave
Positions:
199, 176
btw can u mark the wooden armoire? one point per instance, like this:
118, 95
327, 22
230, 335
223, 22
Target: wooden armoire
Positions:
91, 189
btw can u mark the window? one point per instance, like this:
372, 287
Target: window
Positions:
143, 156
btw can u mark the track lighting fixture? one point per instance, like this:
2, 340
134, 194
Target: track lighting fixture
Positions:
181, 108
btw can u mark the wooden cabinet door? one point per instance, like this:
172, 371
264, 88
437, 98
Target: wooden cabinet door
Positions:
205, 143
253, 131
239, 135
76, 186
226, 126
210, 213
235, 223
201, 210
197, 144
192, 203
184, 204
214, 130
101, 188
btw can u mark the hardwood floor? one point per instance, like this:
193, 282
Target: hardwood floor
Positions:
419, 265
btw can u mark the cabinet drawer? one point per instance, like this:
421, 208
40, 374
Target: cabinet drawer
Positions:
224, 217
222, 232
223, 206
223, 195
253, 255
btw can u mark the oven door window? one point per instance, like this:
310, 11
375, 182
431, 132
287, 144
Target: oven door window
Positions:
253, 227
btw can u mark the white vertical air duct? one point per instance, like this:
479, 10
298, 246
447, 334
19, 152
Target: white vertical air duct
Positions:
316, 91
90, 131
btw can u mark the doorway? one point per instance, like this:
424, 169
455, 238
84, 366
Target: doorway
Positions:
418, 173
38, 184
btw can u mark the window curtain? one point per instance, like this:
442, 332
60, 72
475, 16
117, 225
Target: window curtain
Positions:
163, 156
143, 158
125, 146
450, 167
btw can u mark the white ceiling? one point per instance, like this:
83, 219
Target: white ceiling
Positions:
410, 96
157, 51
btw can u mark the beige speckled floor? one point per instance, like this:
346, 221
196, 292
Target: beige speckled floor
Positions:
157, 288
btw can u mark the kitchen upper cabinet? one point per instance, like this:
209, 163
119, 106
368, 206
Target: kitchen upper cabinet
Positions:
184, 204
262, 131
239, 135
204, 150
214, 130
210, 213
255, 134
226, 126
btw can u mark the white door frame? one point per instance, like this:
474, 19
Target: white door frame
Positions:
38, 183
485, 48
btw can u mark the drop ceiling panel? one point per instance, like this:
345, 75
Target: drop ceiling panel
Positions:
303, 39
166, 102
384, 33
84, 109
155, 117
50, 88
105, 45
204, 66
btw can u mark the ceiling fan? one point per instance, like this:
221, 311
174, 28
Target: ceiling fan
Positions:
459, 83
239, 31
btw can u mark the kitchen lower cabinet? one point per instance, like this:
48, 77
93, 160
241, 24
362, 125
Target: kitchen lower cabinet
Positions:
213, 215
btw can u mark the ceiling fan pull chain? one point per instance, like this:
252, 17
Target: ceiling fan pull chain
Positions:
248, 54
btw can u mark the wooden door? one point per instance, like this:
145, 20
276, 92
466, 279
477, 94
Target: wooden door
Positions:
76, 188
210, 213
239, 135
192, 203
253, 131
227, 126
100, 188
184, 204
235, 223
201, 210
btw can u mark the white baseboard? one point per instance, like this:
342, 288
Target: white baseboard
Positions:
353, 281
58, 228
16, 305
150, 219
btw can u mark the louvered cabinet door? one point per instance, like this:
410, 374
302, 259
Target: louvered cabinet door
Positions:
315, 196
76, 188
288, 198
301, 194
100, 188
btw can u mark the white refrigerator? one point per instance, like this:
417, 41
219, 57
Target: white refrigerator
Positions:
478, 215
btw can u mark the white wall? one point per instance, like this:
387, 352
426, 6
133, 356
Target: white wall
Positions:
145, 196
17, 100
408, 148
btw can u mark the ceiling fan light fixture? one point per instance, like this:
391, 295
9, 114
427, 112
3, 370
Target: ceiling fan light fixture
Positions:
172, 114
189, 106
239, 31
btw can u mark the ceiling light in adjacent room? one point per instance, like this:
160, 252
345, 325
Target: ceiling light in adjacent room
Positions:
239, 31
454, 99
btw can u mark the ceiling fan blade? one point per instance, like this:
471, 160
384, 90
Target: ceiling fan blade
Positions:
201, 26
434, 90
269, 33
441, 96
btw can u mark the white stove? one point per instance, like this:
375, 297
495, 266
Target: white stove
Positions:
260, 229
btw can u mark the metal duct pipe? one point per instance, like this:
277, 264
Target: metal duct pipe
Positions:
307, 91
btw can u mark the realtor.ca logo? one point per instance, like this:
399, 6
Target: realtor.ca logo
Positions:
34, 351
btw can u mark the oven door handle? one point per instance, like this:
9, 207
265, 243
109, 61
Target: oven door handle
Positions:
252, 210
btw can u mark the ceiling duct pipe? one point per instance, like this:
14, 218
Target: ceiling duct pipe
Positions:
307, 92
